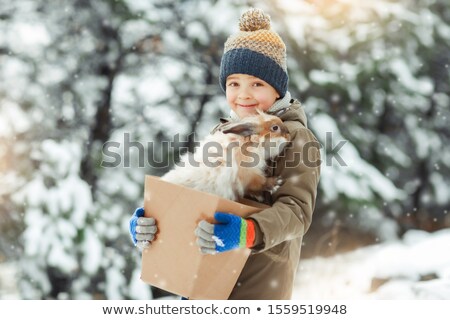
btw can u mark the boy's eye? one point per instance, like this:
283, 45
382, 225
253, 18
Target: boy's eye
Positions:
232, 84
258, 84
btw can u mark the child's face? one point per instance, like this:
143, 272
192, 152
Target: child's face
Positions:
246, 93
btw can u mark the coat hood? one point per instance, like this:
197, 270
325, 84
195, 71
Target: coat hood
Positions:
295, 113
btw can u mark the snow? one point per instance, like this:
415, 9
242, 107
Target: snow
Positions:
8, 279
134, 30
171, 122
115, 282
423, 86
60, 161
355, 177
441, 190
93, 249
322, 77
53, 75
403, 264
401, 158
172, 40
138, 289
219, 16
50, 72
61, 158
141, 5
426, 141
27, 36
149, 88
196, 31
12, 119
58, 257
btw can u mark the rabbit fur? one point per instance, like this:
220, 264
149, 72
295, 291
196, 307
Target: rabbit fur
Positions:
231, 162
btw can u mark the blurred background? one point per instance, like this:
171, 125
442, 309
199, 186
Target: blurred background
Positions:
373, 76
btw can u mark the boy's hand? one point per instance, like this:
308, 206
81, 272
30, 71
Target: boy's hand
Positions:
142, 229
229, 233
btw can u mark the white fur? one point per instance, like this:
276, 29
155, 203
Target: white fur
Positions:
227, 178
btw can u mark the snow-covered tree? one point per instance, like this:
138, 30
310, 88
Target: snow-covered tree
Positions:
375, 74
76, 76
87, 73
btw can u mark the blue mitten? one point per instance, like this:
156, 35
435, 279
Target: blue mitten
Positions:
142, 229
229, 233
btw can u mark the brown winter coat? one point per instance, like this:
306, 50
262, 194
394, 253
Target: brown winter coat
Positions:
270, 270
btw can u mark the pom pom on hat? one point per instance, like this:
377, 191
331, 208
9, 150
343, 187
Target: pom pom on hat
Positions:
254, 19
255, 50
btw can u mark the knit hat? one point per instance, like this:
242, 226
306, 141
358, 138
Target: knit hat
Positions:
255, 50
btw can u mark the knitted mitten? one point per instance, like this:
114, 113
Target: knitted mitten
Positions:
233, 232
142, 229
133, 223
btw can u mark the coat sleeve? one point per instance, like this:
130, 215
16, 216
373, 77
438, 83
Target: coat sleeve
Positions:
293, 203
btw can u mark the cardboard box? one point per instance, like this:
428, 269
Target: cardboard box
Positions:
174, 262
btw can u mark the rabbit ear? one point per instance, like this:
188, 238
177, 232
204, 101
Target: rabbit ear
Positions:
241, 128
280, 112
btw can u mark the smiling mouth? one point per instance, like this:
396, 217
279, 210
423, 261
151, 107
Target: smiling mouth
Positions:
247, 106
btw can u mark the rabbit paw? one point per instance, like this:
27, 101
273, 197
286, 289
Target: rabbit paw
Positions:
258, 197
273, 183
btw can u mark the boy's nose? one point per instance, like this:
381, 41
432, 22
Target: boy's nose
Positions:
244, 94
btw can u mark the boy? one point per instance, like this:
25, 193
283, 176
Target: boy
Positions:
253, 74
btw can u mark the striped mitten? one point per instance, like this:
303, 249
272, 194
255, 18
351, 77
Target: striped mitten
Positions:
232, 232
229, 233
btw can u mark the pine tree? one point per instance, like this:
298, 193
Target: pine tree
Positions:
95, 73
376, 75
78, 76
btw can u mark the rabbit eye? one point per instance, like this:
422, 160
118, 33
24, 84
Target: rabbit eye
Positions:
275, 128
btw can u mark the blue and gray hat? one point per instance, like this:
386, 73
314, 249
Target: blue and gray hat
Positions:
256, 50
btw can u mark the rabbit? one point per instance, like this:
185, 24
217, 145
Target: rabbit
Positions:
231, 161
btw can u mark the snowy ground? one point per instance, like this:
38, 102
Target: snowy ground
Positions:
417, 267
8, 289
